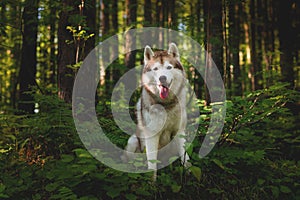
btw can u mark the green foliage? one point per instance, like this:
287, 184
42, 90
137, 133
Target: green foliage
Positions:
79, 34
256, 156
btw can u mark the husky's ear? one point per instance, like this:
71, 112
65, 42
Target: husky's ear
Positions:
173, 50
148, 54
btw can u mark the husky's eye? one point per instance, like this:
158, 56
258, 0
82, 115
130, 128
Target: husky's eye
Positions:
155, 68
169, 67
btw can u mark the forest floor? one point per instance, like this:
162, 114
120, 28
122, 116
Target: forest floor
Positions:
257, 156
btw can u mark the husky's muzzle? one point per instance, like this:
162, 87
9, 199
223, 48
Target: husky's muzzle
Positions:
163, 87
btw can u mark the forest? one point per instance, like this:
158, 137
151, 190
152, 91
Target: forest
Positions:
253, 43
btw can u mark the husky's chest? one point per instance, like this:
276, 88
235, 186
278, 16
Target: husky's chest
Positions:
163, 121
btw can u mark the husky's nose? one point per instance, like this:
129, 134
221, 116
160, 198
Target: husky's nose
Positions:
162, 79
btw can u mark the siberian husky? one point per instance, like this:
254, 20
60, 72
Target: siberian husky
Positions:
161, 109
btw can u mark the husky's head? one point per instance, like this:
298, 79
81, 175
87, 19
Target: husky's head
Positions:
163, 72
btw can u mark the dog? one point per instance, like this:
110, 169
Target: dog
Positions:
161, 109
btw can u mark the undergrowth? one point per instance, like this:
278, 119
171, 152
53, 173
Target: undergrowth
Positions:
256, 157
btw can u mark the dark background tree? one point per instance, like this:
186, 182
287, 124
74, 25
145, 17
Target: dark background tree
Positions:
214, 40
130, 57
66, 51
287, 39
27, 74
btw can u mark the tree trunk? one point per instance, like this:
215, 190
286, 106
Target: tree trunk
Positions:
259, 72
256, 51
198, 81
114, 16
130, 45
66, 52
214, 40
268, 38
105, 17
147, 13
27, 72
89, 11
115, 24
105, 28
253, 46
234, 43
287, 40
53, 56
115, 47
172, 18
16, 54
159, 13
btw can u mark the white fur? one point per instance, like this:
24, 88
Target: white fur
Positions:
159, 125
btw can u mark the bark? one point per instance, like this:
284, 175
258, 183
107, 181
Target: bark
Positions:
130, 45
214, 40
89, 11
287, 40
253, 46
198, 81
105, 16
16, 54
53, 56
115, 47
147, 13
27, 72
66, 52
234, 43
268, 39
172, 18
256, 45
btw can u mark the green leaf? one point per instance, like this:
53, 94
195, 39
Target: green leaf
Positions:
51, 187
216, 191
173, 158
2, 187
113, 192
4, 196
82, 153
25, 173
67, 158
154, 161
275, 191
36, 197
138, 164
260, 181
196, 171
218, 163
285, 189
130, 196
175, 188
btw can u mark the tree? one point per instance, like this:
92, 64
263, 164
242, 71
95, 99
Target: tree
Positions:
66, 51
147, 13
268, 36
214, 39
89, 12
234, 43
130, 56
286, 39
28, 56
256, 46
53, 56
105, 29
115, 47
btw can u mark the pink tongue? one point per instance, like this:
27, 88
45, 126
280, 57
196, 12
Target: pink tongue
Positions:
164, 91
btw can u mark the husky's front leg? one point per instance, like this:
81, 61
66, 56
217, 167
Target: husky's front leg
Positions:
133, 146
151, 152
